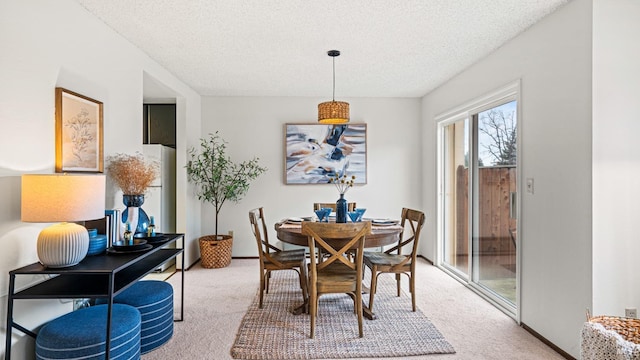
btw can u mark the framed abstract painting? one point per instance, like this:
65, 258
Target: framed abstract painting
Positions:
314, 153
79, 138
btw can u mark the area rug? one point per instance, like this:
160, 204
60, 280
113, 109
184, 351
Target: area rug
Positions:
273, 332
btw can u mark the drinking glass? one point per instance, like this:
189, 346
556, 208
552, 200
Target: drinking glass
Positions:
323, 214
353, 215
327, 213
320, 214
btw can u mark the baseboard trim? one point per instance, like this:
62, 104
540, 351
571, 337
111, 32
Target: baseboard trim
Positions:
547, 342
425, 259
192, 264
233, 257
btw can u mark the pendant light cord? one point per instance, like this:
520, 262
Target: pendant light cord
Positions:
334, 78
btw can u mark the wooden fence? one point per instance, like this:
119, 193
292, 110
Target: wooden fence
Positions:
497, 228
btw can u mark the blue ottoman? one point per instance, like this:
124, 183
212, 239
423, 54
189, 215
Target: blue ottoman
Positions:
154, 300
82, 334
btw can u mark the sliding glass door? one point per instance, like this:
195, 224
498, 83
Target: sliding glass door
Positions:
455, 181
478, 198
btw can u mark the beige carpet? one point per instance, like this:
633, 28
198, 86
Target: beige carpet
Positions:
273, 332
216, 301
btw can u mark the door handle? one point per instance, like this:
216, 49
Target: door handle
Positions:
513, 208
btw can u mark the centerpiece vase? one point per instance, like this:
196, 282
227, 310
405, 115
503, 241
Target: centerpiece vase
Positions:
134, 214
341, 210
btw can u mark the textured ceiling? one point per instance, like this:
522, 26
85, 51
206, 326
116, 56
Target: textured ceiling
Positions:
279, 47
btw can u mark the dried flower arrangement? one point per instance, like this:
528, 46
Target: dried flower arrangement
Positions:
132, 173
343, 183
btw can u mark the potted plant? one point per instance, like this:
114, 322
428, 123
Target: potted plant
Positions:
133, 175
218, 179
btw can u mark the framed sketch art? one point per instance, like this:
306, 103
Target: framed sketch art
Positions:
79, 138
316, 152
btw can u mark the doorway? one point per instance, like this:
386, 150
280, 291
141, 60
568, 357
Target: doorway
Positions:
160, 122
478, 182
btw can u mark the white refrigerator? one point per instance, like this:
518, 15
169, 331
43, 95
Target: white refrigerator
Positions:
160, 199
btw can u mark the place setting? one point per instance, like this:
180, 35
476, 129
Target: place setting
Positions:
384, 222
297, 220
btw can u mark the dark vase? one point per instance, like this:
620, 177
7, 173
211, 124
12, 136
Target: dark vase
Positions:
134, 213
341, 210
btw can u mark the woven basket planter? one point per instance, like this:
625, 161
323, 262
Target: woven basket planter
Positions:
628, 328
215, 251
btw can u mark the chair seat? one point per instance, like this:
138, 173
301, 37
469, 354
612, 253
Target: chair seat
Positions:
289, 257
384, 259
336, 282
339, 275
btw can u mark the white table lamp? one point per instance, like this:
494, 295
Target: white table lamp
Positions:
66, 198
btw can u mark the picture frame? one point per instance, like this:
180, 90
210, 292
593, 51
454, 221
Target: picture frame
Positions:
79, 133
314, 153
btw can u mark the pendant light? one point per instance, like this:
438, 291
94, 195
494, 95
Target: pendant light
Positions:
333, 112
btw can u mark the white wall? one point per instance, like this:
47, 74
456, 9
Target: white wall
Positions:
254, 126
553, 61
46, 44
616, 164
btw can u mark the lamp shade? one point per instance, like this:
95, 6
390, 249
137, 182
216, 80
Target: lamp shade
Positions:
65, 198
62, 197
333, 112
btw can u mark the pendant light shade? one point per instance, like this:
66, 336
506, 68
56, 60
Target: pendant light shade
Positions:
333, 112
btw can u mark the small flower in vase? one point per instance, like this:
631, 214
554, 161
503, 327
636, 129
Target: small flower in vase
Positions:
342, 183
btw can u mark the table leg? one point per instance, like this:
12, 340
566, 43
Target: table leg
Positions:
301, 309
367, 313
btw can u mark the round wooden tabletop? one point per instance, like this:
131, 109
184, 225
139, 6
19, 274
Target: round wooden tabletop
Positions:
380, 235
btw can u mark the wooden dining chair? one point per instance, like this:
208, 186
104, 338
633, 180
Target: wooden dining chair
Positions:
317, 206
335, 272
395, 260
272, 258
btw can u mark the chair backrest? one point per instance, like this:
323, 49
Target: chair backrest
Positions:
259, 228
412, 222
335, 240
317, 206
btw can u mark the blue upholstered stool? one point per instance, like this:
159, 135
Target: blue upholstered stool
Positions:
154, 300
82, 334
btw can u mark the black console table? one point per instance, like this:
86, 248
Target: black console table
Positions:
102, 276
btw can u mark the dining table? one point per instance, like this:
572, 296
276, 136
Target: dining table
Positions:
382, 233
